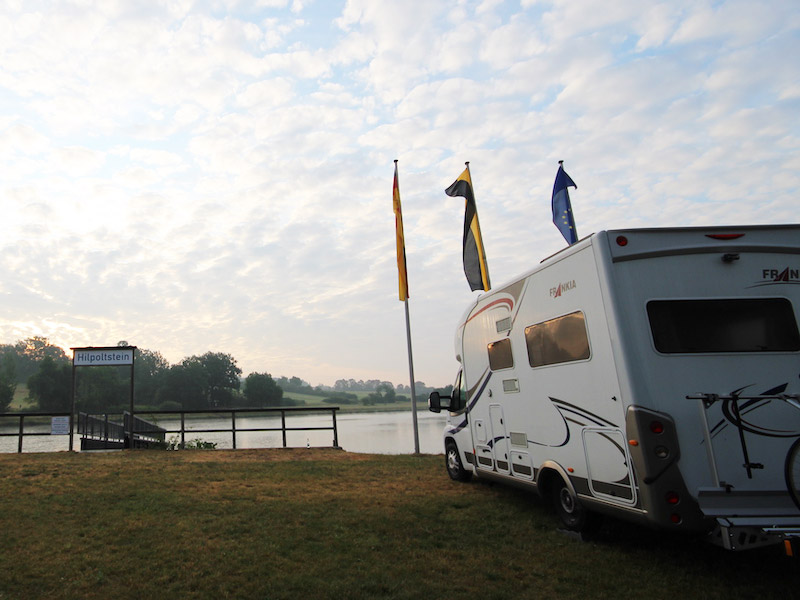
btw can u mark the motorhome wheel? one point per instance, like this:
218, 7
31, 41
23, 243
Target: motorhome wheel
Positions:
568, 508
455, 469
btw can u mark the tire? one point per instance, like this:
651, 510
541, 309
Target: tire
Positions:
572, 514
792, 470
452, 461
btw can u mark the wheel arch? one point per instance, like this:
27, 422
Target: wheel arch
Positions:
450, 439
550, 474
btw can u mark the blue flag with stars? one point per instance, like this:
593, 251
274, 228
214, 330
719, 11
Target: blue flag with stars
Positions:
562, 209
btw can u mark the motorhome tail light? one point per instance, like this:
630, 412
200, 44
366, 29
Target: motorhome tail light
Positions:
676, 518
633, 443
661, 451
724, 236
622, 240
673, 498
656, 427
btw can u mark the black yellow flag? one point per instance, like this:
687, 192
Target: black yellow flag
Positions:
401, 242
475, 267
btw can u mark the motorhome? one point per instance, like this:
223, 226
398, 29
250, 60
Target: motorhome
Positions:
649, 374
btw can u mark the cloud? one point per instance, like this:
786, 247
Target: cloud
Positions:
216, 176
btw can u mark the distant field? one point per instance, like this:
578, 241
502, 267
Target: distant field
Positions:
311, 400
20, 401
321, 524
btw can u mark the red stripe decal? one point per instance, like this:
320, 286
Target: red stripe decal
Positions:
506, 301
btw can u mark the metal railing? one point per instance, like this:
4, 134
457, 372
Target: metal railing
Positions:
99, 427
233, 429
99, 432
21, 433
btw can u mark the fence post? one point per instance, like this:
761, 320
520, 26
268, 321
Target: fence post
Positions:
335, 432
233, 427
283, 426
21, 433
183, 431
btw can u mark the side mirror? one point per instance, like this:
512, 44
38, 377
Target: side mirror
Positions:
435, 403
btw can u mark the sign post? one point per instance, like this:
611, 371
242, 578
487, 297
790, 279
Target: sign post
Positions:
104, 356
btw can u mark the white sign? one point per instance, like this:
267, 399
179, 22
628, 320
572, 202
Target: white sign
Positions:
102, 356
59, 426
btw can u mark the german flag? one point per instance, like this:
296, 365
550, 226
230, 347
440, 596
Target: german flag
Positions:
401, 242
475, 267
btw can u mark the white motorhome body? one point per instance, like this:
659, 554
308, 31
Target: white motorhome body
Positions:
652, 374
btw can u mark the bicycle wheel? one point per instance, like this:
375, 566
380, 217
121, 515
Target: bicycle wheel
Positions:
793, 472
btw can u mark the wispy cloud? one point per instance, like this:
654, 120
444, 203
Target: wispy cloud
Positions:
193, 176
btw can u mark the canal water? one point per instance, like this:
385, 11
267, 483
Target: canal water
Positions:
367, 432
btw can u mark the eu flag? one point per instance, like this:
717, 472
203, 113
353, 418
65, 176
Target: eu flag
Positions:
562, 209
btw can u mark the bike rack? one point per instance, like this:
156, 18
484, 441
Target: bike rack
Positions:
709, 399
745, 519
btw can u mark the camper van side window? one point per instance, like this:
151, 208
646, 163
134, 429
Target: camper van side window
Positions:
500, 355
723, 325
559, 340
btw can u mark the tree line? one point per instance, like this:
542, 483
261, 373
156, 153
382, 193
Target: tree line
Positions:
210, 380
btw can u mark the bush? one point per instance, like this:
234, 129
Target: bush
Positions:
340, 400
291, 402
174, 443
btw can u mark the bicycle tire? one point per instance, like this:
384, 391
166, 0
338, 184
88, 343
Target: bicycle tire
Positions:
793, 472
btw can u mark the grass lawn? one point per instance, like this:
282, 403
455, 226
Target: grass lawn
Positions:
323, 523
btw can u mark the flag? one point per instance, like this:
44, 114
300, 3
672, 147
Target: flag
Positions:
401, 243
562, 209
475, 267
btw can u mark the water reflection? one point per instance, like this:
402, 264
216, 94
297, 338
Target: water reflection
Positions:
373, 432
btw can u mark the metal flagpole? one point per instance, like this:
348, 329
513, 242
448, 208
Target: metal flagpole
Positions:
403, 281
411, 375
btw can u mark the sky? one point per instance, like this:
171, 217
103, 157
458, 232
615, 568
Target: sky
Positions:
217, 176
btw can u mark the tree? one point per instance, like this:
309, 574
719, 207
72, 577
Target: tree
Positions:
30, 352
260, 390
198, 382
102, 389
293, 384
184, 385
51, 385
221, 377
384, 394
8, 380
149, 371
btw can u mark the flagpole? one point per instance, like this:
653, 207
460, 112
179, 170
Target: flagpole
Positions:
401, 252
411, 377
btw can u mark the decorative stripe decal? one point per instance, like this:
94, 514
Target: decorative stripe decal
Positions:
476, 396
507, 301
458, 427
581, 412
750, 406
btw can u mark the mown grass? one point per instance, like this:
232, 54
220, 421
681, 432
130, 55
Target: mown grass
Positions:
20, 401
323, 523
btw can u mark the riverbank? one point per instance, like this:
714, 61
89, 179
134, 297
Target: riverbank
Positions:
325, 523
